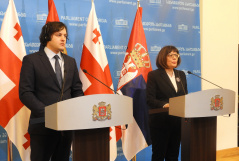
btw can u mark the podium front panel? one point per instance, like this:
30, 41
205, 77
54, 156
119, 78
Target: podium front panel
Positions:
213, 102
87, 112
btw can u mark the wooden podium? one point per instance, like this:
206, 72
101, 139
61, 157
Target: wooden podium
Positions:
90, 117
199, 111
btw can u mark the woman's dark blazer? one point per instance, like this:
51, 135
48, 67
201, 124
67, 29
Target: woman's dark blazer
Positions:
160, 89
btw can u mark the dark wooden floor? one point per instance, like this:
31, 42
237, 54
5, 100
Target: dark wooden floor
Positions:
228, 154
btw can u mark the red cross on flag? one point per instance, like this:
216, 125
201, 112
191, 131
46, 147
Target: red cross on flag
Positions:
14, 116
94, 60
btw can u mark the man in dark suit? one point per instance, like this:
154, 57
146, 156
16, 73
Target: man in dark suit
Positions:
164, 83
48, 76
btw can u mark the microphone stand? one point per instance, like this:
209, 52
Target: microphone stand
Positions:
204, 79
85, 71
63, 86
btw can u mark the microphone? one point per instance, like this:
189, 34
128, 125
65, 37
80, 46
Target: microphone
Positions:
181, 83
63, 85
204, 79
85, 71
63, 81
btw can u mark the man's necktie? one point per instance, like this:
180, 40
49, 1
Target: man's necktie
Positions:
58, 70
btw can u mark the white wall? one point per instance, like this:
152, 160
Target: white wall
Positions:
219, 50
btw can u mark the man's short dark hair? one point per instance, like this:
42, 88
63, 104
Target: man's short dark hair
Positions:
49, 29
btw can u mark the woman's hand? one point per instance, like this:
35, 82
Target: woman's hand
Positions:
166, 105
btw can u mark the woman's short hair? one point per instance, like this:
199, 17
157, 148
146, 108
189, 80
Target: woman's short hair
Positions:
161, 60
49, 29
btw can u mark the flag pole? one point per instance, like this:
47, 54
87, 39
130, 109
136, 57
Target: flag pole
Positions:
9, 149
134, 158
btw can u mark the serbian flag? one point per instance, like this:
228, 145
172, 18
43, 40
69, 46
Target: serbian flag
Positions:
132, 83
94, 60
14, 116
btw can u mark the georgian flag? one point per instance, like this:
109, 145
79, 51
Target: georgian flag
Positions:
14, 116
52, 12
94, 60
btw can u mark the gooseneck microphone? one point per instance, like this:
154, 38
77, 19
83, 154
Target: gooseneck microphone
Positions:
63, 81
63, 86
181, 83
85, 71
204, 79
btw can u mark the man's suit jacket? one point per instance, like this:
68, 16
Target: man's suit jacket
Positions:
160, 89
39, 87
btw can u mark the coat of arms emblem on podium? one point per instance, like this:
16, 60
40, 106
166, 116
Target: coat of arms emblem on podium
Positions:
101, 112
217, 103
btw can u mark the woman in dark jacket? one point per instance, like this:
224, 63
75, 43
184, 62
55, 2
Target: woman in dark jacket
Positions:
164, 83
